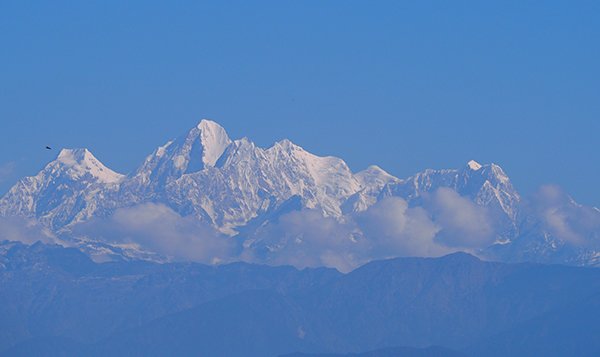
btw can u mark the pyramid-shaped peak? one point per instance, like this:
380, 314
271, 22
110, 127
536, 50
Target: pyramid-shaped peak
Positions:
74, 156
374, 169
213, 140
286, 144
198, 148
374, 176
82, 161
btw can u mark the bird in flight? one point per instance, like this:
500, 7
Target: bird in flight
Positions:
48, 148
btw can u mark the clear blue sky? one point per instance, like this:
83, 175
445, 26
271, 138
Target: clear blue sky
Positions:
407, 85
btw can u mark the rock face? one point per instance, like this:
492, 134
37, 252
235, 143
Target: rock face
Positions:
236, 188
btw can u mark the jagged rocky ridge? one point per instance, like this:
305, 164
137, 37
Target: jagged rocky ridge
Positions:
242, 191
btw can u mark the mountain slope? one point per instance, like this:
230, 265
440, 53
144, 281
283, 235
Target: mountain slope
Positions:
67, 190
241, 190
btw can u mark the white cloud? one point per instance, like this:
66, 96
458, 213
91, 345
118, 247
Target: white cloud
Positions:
564, 218
393, 229
24, 230
463, 224
158, 228
389, 228
307, 239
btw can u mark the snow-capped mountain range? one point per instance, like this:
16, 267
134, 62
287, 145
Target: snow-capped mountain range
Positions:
244, 192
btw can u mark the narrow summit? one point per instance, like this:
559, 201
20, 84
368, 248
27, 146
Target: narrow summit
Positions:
474, 165
214, 140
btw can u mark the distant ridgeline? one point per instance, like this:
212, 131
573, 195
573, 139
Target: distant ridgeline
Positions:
56, 301
206, 198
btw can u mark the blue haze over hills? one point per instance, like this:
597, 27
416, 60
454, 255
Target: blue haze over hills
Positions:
55, 301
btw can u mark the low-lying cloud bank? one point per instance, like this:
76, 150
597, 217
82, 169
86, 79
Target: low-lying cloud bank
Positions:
445, 223
25, 230
562, 217
463, 224
157, 228
390, 228
306, 238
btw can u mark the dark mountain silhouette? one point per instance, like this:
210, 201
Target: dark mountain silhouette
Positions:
55, 301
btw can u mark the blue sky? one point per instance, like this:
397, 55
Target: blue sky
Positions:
407, 85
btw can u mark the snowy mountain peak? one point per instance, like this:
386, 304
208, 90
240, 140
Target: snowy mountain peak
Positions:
207, 124
237, 187
82, 161
474, 165
374, 175
213, 138
201, 147
499, 173
374, 170
285, 145
240, 150
71, 156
